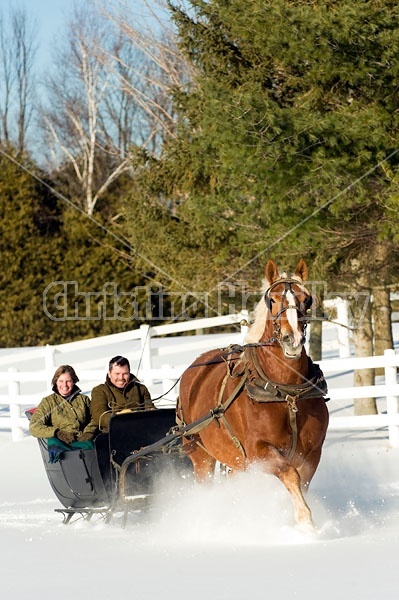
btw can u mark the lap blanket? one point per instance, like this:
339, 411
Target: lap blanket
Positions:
56, 448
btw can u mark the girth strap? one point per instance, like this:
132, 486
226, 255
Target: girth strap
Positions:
294, 430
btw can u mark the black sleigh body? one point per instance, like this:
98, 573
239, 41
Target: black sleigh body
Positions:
109, 478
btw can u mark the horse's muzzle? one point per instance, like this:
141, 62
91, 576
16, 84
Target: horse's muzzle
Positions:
289, 348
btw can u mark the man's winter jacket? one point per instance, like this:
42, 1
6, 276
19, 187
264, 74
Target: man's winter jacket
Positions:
107, 399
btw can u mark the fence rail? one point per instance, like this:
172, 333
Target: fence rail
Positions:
17, 381
387, 390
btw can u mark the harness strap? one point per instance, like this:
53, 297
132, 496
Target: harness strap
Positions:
223, 406
294, 429
261, 389
216, 413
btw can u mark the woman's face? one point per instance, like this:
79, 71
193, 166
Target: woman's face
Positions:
64, 384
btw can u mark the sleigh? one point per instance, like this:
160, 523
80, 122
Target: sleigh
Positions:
123, 471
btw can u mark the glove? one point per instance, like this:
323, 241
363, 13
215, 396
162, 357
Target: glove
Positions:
86, 437
65, 436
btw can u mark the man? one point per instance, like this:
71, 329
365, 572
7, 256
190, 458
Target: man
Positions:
121, 391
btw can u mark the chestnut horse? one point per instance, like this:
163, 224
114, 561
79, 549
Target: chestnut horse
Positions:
265, 400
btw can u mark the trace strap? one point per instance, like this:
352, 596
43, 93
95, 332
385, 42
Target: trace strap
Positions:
182, 430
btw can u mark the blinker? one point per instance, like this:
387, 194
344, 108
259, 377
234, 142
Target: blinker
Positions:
303, 306
269, 301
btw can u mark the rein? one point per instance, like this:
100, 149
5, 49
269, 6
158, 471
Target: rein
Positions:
234, 349
257, 385
259, 388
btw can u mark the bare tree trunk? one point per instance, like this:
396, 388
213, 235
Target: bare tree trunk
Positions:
6, 82
316, 336
24, 51
363, 342
382, 312
381, 302
166, 68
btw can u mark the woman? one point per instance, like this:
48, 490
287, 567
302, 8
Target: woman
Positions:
64, 414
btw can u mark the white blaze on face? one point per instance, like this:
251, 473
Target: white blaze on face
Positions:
292, 318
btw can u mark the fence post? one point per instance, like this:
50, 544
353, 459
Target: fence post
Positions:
343, 328
392, 401
167, 385
244, 324
146, 366
49, 362
17, 433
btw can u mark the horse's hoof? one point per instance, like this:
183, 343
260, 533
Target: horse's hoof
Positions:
306, 528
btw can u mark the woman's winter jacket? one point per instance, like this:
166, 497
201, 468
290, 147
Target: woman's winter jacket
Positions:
56, 412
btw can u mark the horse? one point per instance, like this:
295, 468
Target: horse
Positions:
264, 401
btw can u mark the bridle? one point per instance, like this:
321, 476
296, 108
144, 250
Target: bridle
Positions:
301, 309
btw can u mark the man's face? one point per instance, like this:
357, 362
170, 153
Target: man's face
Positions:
119, 376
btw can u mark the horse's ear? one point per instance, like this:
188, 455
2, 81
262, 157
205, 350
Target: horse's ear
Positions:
302, 270
271, 271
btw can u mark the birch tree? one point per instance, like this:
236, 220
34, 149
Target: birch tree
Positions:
162, 70
82, 125
17, 81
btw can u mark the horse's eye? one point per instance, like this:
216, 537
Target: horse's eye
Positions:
269, 301
306, 304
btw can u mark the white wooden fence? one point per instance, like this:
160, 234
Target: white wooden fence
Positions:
387, 393
159, 361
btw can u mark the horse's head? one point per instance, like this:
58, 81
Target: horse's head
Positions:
288, 301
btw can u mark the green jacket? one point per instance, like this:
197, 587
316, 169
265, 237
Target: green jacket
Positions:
55, 412
107, 399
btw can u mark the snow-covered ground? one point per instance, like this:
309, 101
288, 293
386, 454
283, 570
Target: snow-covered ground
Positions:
232, 540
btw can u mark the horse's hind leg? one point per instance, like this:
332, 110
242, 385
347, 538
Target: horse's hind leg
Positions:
203, 463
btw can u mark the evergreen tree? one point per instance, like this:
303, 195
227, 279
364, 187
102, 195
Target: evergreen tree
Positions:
101, 291
29, 227
63, 276
288, 146
292, 105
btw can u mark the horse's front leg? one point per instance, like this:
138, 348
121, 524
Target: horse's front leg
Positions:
308, 468
203, 463
277, 465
